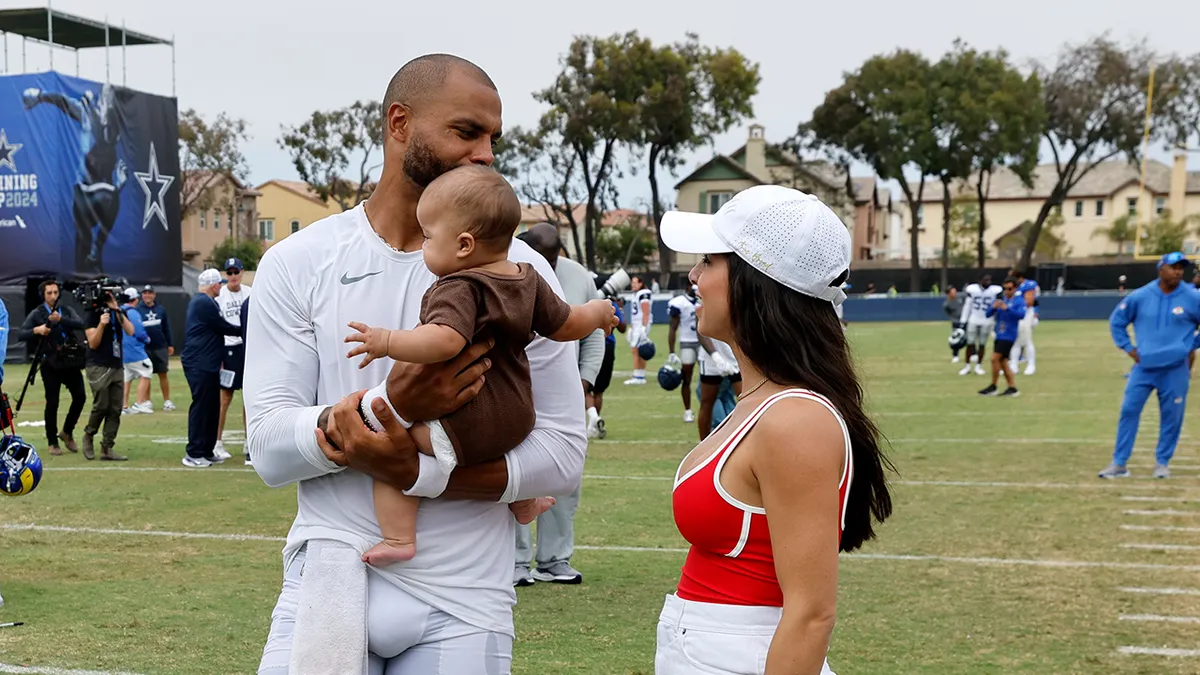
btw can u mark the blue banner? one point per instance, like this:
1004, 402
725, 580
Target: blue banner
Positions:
89, 181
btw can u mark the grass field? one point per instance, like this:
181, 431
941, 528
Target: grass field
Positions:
1005, 554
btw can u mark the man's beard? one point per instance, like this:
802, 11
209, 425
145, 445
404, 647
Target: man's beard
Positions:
422, 165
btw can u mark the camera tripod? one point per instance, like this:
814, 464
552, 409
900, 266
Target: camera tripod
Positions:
33, 368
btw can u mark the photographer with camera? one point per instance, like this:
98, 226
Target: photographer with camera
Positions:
59, 352
105, 367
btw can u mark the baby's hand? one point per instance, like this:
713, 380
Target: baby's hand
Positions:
606, 316
374, 342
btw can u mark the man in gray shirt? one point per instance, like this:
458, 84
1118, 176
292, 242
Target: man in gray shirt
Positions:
953, 309
556, 527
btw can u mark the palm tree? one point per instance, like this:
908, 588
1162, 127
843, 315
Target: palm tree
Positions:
1122, 230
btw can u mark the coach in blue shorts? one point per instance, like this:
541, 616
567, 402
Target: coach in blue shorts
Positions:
1165, 315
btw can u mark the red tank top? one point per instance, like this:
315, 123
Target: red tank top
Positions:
730, 560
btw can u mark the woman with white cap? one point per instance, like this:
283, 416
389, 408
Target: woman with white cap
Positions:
795, 474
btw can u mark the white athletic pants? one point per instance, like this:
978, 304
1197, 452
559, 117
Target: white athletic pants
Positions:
406, 636
555, 533
700, 638
1024, 343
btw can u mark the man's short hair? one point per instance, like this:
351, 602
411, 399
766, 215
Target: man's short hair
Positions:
1010, 280
412, 84
489, 203
45, 284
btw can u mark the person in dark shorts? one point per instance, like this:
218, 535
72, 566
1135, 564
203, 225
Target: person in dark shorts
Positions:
468, 216
1007, 311
162, 345
604, 378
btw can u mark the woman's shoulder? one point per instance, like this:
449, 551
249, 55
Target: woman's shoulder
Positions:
799, 427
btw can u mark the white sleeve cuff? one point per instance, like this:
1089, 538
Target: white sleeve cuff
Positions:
514, 479
431, 479
306, 440
379, 391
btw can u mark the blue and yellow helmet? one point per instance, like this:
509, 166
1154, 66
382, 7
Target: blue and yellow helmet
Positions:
20, 467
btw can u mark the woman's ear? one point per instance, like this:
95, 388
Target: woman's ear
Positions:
466, 245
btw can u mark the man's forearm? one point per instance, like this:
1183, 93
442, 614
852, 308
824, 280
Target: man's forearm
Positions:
481, 482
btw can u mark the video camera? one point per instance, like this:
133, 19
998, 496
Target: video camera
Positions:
97, 293
612, 286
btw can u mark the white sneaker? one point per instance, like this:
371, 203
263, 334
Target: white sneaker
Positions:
146, 407
965, 369
167, 405
636, 380
593, 430
1029, 370
196, 462
219, 451
688, 417
979, 370
955, 360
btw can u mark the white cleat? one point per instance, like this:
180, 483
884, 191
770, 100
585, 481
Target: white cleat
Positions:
219, 451
636, 380
979, 370
688, 417
955, 360
1030, 370
965, 369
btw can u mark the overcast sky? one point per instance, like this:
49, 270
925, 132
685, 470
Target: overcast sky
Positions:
273, 62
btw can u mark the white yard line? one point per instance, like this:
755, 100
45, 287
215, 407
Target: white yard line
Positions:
1161, 547
1160, 591
1158, 651
1005, 562
1159, 618
1139, 498
44, 670
1161, 512
1159, 528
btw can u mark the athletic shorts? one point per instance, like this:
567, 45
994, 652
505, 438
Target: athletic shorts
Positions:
636, 334
412, 637
235, 360
136, 370
160, 360
604, 377
701, 638
1003, 347
716, 379
977, 334
689, 352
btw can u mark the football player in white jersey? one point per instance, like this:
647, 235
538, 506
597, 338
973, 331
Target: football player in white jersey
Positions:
230, 300
448, 611
682, 310
717, 362
979, 298
640, 320
1023, 349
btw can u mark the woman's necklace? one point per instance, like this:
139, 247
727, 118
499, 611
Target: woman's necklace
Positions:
754, 388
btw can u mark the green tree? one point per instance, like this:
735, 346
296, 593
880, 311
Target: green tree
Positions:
249, 251
545, 174
964, 224
209, 154
595, 108
321, 149
882, 115
1051, 243
692, 93
1004, 121
1095, 102
1164, 234
1178, 99
624, 246
1121, 231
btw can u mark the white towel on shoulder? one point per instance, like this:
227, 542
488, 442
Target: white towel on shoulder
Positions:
330, 636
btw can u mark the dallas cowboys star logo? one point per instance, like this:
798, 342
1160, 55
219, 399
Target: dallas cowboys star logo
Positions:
154, 204
7, 150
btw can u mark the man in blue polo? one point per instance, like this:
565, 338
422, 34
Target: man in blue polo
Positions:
1165, 315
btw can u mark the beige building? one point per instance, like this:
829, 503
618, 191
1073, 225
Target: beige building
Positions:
226, 209
287, 206
1106, 193
759, 163
532, 214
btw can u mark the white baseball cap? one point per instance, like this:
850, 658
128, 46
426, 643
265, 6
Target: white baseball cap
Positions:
131, 293
209, 277
790, 236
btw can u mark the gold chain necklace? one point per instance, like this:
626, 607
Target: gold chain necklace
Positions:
753, 389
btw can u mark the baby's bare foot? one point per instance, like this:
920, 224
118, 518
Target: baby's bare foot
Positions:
527, 510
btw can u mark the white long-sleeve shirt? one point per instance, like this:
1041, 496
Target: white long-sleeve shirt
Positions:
307, 288
578, 288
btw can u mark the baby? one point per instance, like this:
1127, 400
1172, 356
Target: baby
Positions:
468, 217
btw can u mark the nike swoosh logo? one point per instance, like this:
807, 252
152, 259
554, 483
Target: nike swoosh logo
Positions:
347, 279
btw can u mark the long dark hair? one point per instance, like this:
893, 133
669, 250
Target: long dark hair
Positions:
796, 339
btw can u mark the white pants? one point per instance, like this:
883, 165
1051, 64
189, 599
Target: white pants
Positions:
689, 353
977, 333
406, 636
1024, 343
699, 638
636, 334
